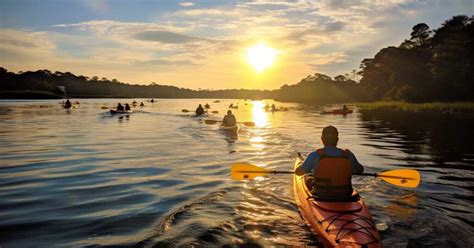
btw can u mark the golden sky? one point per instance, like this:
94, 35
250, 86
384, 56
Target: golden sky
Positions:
204, 44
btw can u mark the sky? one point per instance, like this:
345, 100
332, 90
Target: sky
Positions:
203, 44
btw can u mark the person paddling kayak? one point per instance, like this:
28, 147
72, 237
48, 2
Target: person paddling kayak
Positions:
199, 110
229, 120
345, 108
67, 104
120, 107
332, 167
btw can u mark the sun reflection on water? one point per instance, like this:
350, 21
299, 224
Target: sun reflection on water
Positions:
258, 114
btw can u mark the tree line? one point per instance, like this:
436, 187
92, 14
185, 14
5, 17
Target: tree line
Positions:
432, 65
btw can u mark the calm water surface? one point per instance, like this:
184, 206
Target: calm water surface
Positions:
160, 177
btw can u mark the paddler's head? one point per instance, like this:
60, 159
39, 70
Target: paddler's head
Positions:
229, 112
330, 136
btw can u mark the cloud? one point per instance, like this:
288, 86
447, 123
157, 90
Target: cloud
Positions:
335, 26
165, 62
165, 37
186, 4
325, 59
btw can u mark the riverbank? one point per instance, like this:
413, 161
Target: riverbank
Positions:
439, 107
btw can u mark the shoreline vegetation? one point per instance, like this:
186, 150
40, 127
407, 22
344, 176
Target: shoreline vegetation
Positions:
438, 107
432, 66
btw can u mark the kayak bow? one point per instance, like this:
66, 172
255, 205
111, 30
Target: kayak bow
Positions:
337, 224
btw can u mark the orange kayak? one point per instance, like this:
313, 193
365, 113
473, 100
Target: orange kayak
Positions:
336, 224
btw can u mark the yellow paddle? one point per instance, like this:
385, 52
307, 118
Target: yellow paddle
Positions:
104, 107
246, 123
215, 112
404, 178
184, 110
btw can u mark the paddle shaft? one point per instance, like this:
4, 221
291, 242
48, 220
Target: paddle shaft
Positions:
363, 174
386, 176
269, 172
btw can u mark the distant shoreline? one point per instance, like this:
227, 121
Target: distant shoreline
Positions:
436, 107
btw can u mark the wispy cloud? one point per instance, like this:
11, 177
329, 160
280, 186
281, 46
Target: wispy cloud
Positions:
186, 4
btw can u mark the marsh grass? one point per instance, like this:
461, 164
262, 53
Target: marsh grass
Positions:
434, 107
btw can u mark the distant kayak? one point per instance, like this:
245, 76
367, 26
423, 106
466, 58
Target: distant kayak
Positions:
70, 107
336, 223
337, 112
232, 129
114, 111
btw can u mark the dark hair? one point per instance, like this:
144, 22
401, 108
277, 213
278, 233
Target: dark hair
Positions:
229, 112
330, 136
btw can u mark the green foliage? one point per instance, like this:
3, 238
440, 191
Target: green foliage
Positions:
438, 67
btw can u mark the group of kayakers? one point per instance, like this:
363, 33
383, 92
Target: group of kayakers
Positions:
120, 107
228, 121
268, 107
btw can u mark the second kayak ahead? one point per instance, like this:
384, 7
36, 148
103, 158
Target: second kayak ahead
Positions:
337, 224
232, 129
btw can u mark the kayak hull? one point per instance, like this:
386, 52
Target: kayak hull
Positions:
113, 111
336, 224
232, 129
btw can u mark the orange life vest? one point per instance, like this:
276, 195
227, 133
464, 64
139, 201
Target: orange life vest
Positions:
333, 176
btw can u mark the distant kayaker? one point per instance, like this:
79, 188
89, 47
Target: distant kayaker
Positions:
207, 105
332, 167
229, 120
127, 107
273, 107
199, 110
152, 100
134, 102
231, 105
142, 105
120, 107
345, 108
267, 107
68, 104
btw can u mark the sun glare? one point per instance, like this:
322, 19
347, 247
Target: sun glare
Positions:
260, 56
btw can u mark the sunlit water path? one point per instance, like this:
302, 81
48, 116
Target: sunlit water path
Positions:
160, 177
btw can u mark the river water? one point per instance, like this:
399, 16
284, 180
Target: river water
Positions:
161, 178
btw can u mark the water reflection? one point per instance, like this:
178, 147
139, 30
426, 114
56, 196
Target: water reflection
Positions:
403, 207
259, 115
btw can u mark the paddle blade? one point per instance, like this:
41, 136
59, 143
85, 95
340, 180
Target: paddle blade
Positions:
215, 112
404, 178
247, 171
210, 122
249, 124
104, 107
184, 110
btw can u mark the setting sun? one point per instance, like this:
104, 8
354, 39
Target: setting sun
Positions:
260, 56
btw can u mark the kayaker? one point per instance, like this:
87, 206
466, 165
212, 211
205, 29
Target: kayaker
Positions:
229, 120
273, 107
199, 110
345, 108
67, 104
127, 107
120, 107
134, 102
207, 105
152, 100
142, 105
331, 166
231, 105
